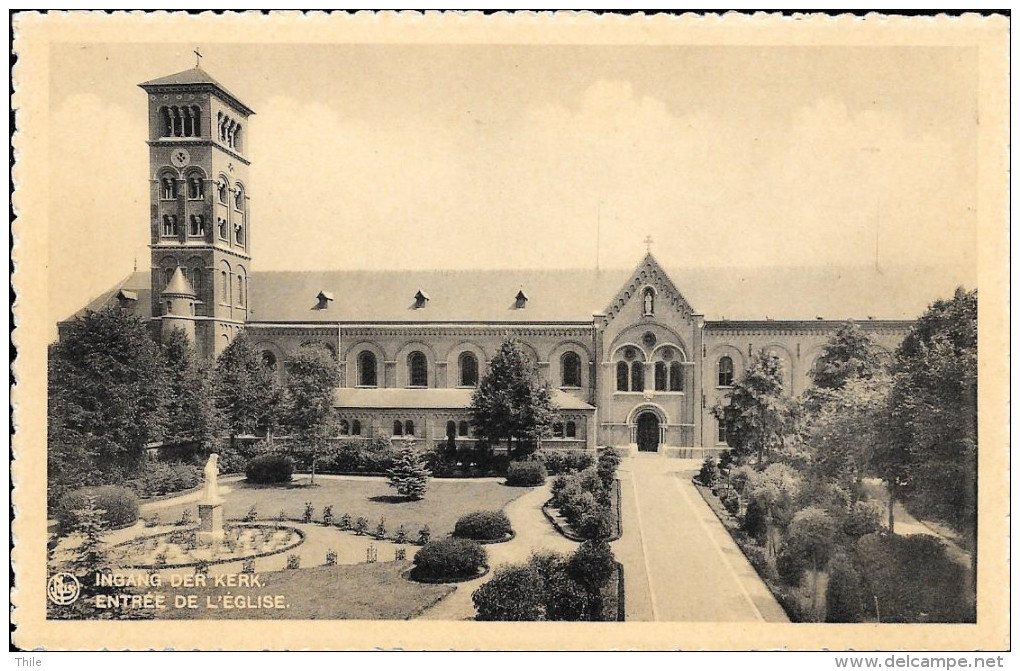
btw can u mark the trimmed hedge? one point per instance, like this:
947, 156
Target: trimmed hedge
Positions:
449, 559
120, 506
525, 473
565, 461
270, 469
165, 477
485, 525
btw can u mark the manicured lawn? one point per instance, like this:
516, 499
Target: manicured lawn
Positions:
372, 498
357, 592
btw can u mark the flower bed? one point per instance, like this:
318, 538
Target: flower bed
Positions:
241, 541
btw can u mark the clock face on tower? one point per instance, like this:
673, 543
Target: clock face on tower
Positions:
180, 157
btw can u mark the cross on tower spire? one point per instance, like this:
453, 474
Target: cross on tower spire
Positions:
648, 243
198, 57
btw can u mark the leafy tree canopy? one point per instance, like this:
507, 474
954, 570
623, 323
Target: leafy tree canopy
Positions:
511, 403
759, 415
247, 392
107, 399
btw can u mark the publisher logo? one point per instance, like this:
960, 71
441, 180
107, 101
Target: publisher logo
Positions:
63, 589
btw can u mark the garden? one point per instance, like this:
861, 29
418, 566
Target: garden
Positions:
810, 487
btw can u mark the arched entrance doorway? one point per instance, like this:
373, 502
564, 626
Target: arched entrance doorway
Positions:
648, 432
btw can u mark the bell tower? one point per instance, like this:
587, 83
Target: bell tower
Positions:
199, 214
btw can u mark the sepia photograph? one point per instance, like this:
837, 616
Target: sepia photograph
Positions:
436, 324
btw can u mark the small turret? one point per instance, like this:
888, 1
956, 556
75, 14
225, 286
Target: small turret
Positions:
178, 301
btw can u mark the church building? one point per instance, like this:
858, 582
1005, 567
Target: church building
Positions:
636, 359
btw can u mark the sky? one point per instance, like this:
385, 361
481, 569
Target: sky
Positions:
519, 156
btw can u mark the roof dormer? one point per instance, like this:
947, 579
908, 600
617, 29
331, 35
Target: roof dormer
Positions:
520, 300
420, 299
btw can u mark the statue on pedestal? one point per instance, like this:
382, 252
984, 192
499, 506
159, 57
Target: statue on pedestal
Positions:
212, 470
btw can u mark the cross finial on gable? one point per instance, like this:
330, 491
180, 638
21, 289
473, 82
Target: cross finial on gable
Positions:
648, 243
198, 57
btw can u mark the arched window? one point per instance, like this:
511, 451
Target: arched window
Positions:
649, 301
571, 430
463, 429
168, 188
239, 198
451, 429
221, 226
622, 376
356, 427
558, 430
196, 187
676, 376
240, 289
221, 190
570, 370
398, 428
660, 376
366, 369
721, 436
725, 372
269, 360
408, 428
345, 427
167, 274
169, 225
196, 281
239, 233
417, 370
468, 369
637, 376
196, 225
224, 285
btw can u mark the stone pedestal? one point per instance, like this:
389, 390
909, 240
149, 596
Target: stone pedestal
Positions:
210, 521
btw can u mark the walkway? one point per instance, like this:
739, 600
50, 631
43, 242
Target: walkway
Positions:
534, 533
681, 564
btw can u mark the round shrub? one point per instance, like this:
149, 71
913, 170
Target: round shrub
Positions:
596, 524
513, 595
119, 503
486, 525
708, 472
270, 469
449, 559
525, 474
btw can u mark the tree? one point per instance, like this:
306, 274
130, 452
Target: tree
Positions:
511, 403
844, 431
312, 377
247, 392
192, 415
759, 414
106, 401
773, 492
849, 353
811, 537
591, 566
933, 416
409, 474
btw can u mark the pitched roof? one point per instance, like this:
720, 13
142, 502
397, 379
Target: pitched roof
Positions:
734, 294
430, 399
575, 295
194, 76
179, 285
